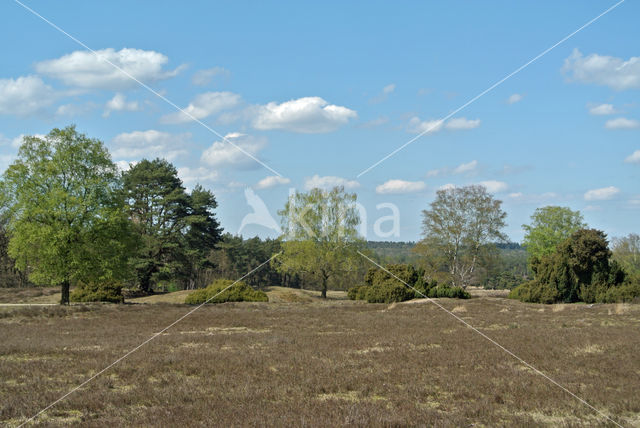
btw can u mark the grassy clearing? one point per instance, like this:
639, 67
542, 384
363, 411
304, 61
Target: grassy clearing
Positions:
321, 363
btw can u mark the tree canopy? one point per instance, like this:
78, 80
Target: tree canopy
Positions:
320, 235
175, 229
460, 223
550, 226
65, 218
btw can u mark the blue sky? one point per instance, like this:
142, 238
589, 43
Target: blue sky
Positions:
320, 92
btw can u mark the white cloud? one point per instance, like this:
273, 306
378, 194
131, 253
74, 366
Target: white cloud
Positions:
389, 88
25, 95
204, 77
515, 195
494, 186
622, 123
602, 110
191, 176
86, 70
462, 123
417, 126
222, 153
466, 167
400, 187
309, 115
328, 182
75, 109
460, 169
515, 98
124, 165
601, 194
272, 181
202, 106
633, 157
119, 103
447, 186
610, 71
149, 144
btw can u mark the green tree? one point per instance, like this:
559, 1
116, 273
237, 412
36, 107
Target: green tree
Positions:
320, 235
175, 229
627, 252
549, 227
461, 223
66, 222
580, 269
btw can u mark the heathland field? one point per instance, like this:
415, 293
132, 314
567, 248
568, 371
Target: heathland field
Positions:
298, 361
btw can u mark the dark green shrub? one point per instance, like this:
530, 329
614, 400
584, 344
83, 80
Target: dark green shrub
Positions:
388, 292
579, 270
359, 292
108, 291
239, 292
445, 290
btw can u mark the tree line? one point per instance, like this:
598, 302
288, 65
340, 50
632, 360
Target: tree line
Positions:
69, 217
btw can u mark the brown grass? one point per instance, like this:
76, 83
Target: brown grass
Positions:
320, 364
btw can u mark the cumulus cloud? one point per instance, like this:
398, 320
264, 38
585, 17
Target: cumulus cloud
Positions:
191, 176
309, 115
149, 144
272, 181
25, 95
602, 109
204, 77
460, 169
610, 71
17, 141
602, 194
87, 70
119, 103
447, 186
494, 186
417, 126
386, 91
633, 157
328, 182
622, 123
515, 98
232, 152
462, 123
466, 167
202, 106
400, 187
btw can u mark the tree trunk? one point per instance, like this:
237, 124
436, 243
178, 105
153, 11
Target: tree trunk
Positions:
324, 288
64, 298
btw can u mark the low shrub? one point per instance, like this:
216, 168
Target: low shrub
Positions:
445, 290
388, 292
239, 292
109, 291
359, 292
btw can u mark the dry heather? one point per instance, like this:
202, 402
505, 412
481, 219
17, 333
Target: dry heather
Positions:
338, 363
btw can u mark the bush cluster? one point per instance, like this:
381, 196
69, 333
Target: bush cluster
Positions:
239, 292
382, 287
580, 270
108, 291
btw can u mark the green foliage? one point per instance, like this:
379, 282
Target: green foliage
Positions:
175, 229
321, 238
626, 251
65, 219
580, 269
550, 226
460, 224
388, 291
381, 286
238, 292
110, 291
